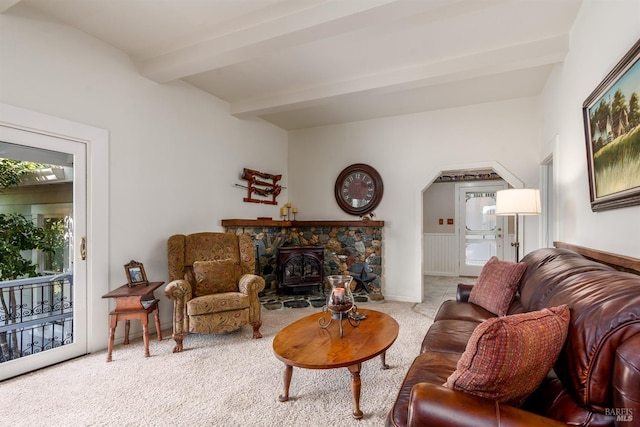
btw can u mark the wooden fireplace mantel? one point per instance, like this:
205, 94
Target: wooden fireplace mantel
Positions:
266, 222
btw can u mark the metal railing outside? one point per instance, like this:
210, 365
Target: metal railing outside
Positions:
36, 314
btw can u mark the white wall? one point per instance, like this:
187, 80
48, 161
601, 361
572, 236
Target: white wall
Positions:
175, 152
409, 151
603, 32
520, 135
438, 203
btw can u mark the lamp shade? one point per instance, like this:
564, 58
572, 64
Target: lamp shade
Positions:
521, 201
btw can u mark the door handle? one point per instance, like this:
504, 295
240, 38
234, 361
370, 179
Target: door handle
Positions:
83, 248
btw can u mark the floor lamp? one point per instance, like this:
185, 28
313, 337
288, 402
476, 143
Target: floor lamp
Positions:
516, 202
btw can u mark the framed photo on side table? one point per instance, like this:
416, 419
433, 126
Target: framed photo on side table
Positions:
135, 273
612, 130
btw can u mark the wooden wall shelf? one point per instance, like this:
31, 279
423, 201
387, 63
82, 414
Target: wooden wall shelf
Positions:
273, 223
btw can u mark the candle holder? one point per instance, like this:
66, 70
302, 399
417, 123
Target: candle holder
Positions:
340, 303
286, 210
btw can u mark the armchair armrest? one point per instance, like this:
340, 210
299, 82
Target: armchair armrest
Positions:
434, 405
179, 291
252, 284
463, 292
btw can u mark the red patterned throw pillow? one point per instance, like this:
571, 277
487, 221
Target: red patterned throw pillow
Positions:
507, 358
496, 285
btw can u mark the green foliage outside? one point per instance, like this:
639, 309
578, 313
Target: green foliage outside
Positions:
12, 170
17, 233
54, 239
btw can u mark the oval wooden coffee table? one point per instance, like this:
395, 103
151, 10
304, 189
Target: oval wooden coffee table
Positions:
305, 344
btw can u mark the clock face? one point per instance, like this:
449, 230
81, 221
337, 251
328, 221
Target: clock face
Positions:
358, 189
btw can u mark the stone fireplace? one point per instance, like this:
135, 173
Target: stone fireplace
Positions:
342, 243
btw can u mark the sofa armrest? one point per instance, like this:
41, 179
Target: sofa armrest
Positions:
463, 292
626, 375
179, 291
434, 405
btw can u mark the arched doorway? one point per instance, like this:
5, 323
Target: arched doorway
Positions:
441, 236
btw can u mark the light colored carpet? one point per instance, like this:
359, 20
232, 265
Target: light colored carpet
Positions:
223, 380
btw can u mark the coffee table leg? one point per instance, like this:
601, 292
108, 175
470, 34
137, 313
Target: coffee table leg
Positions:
355, 390
288, 372
383, 358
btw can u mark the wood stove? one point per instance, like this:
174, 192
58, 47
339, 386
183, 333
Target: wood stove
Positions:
300, 267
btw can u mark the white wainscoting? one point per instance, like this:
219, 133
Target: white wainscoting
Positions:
441, 254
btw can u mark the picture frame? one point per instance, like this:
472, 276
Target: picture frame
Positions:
611, 116
135, 273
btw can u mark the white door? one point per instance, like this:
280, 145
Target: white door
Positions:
480, 230
61, 332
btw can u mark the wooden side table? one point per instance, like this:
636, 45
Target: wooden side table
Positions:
135, 302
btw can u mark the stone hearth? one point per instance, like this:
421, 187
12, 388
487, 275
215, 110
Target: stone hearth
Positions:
273, 301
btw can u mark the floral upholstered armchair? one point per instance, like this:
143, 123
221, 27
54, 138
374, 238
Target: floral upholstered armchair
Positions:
212, 284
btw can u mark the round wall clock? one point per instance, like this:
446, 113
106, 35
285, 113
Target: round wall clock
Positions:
358, 189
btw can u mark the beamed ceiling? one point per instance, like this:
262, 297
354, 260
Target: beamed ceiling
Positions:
306, 63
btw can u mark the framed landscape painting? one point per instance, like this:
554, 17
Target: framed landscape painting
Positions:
612, 130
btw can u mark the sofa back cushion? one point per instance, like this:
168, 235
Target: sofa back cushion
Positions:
605, 314
507, 357
211, 247
184, 250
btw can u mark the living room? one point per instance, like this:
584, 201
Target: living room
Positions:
174, 153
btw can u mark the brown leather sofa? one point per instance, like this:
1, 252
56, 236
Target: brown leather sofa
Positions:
595, 380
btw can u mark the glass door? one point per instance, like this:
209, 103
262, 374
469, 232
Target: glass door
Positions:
43, 316
480, 230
